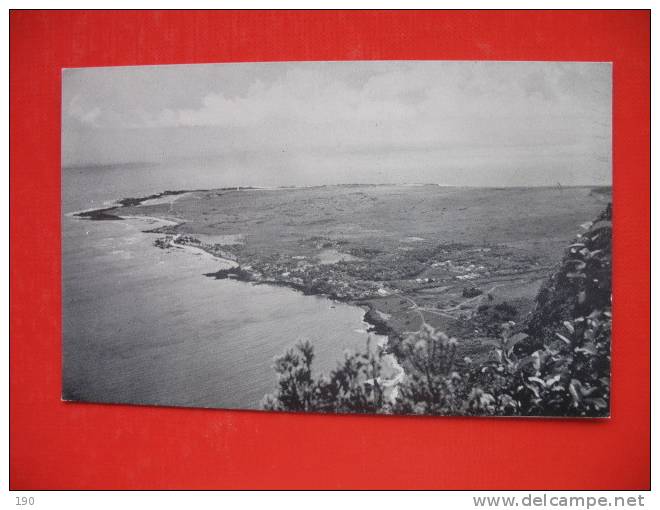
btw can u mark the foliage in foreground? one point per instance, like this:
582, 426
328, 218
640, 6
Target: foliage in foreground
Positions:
559, 367
353, 387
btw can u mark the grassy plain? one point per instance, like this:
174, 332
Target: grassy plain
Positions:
460, 259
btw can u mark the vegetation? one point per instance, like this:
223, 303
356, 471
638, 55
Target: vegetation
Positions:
470, 292
353, 387
556, 363
406, 252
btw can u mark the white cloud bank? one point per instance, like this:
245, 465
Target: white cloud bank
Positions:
493, 123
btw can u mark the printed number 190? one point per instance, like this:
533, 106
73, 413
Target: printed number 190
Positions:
22, 501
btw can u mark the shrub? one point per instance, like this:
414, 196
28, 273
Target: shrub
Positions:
560, 365
569, 379
353, 387
297, 388
470, 292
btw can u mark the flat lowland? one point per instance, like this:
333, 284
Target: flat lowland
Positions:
459, 259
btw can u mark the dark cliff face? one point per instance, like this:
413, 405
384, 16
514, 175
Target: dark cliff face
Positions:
581, 285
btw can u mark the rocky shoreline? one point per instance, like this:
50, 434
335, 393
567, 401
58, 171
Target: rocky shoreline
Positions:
461, 275
377, 324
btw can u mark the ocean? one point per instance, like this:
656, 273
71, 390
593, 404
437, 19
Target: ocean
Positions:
143, 325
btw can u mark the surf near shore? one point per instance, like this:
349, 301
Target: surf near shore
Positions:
460, 260
163, 227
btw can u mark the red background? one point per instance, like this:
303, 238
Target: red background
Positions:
57, 445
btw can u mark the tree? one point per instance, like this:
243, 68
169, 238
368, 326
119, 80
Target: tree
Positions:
353, 387
559, 367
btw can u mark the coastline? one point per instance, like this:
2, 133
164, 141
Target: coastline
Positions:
420, 274
233, 268
375, 323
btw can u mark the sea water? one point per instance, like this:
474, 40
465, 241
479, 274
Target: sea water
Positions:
143, 325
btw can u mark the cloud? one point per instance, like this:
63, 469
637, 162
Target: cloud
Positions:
424, 91
300, 96
467, 103
476, 108
76, 111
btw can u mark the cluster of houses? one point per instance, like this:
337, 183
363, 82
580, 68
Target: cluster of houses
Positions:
327, 279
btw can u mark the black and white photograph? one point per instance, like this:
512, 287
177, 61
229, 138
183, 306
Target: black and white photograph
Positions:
381, 237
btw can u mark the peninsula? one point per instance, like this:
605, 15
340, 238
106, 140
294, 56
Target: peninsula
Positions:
459, 259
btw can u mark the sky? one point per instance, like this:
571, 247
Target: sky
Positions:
306, 123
